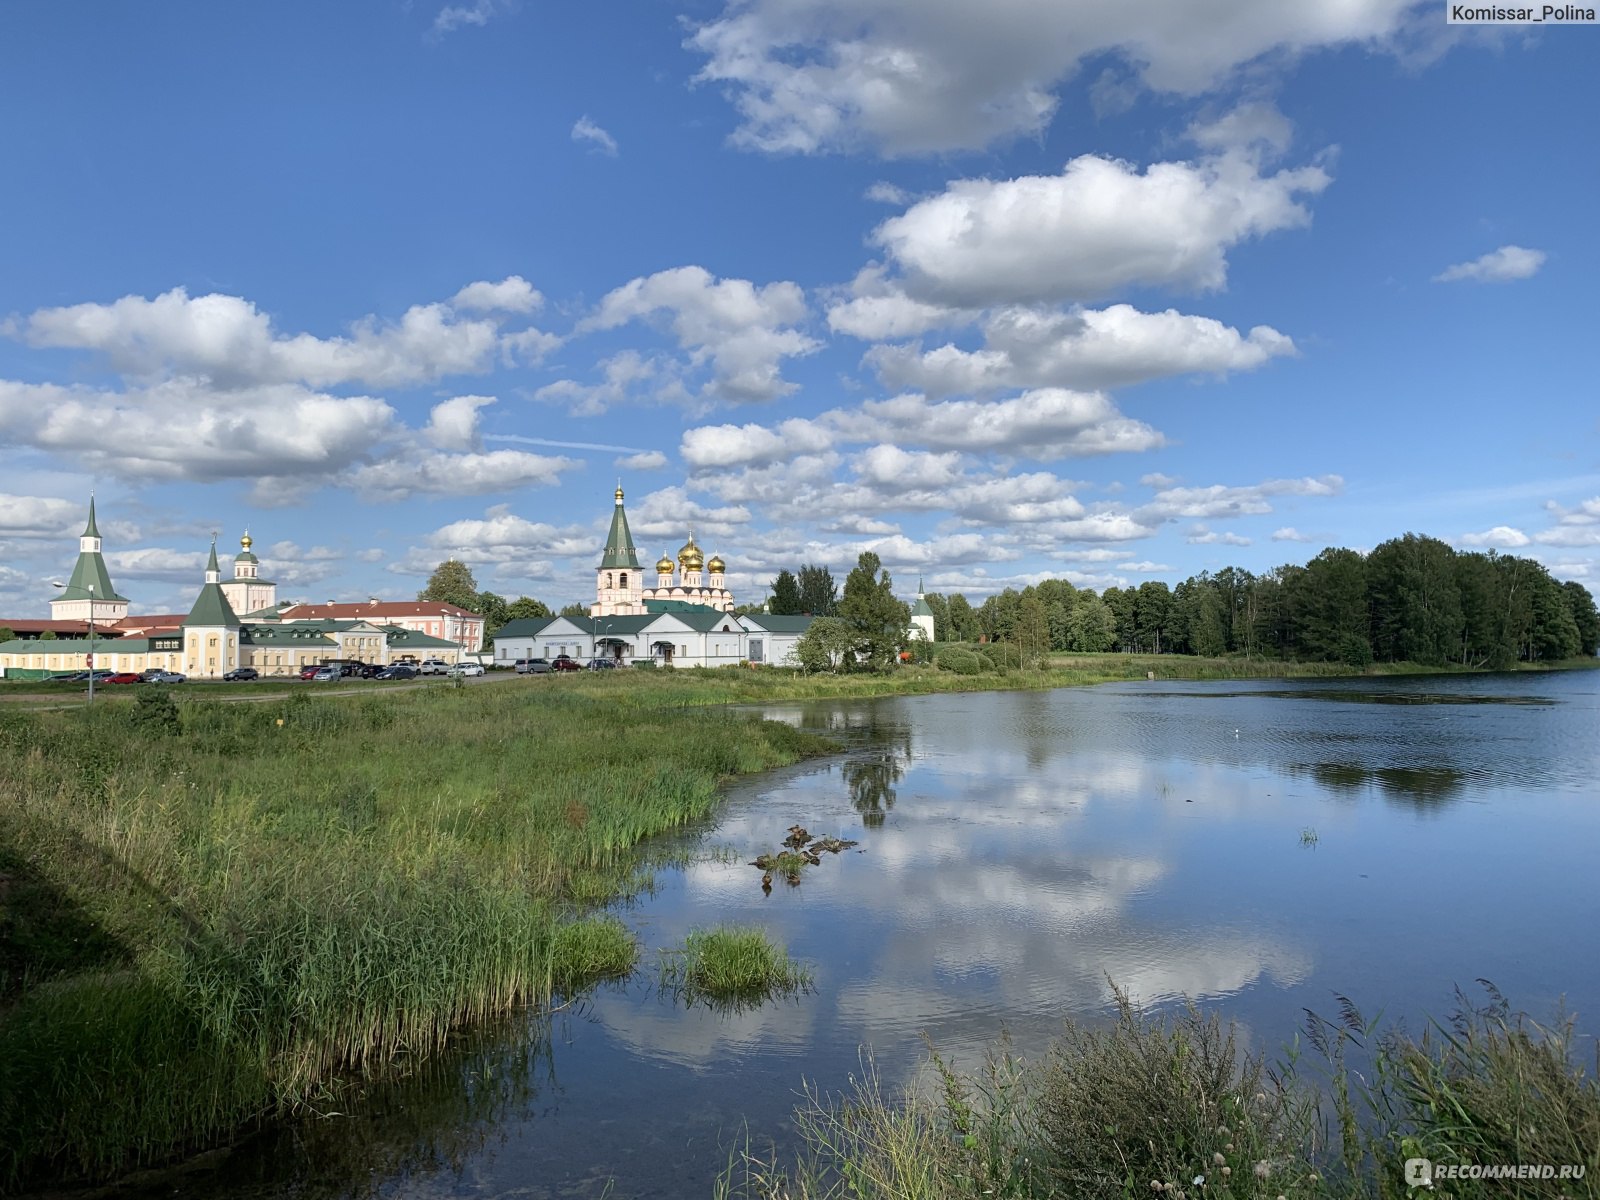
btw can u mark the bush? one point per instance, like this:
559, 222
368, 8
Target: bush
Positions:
958, 661
1002, 654
154, 714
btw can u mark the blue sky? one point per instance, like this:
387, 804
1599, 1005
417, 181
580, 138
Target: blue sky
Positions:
1109, 292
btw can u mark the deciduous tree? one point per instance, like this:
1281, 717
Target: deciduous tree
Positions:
452, 583
879, 620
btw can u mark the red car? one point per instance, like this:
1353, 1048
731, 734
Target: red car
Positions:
125, 677
562, 663
308, 672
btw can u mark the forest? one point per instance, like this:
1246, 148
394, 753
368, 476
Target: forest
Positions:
1411, 599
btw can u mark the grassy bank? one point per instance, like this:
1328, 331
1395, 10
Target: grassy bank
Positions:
210, 915
1169, 1107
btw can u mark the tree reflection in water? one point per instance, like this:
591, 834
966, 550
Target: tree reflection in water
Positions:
871, 778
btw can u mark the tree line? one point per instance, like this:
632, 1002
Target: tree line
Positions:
1413, 599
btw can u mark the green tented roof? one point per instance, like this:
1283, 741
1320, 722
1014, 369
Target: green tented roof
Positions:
211, 608
921, 609
90, 569
619, 542
90, 579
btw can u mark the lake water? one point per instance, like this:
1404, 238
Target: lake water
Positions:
1260, 847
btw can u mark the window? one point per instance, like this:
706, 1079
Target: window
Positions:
608, 579
624, 580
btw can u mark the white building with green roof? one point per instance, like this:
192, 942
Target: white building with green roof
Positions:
88, 594
620, 589
921, 616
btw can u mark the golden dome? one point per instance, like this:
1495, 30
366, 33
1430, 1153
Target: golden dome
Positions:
619, 493
664, 565
689, 557
716, 566
245, 540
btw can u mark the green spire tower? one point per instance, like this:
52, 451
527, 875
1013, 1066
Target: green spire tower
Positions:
620, 554
90, 582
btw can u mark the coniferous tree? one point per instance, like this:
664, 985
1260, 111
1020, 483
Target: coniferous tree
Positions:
574, 610
819, 595
785, 600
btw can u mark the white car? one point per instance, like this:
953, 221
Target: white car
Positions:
432, 666
465, 668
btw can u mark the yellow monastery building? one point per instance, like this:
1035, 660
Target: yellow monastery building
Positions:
93, 627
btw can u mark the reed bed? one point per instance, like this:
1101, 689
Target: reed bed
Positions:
1166, 1105
222, 920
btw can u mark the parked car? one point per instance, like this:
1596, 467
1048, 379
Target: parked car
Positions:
71, 677
241, 675
562, 663
125, 677
101, 674
323, 674
432, 666
533, 666
372, 670
164, 677
397, 671
308, 672
466, 668
602, 664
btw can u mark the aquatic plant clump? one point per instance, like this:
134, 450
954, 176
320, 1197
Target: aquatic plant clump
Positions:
731, 963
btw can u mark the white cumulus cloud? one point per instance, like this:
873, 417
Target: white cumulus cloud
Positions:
740, 332
1100, 226
919, 76
1501, 536
1083, 348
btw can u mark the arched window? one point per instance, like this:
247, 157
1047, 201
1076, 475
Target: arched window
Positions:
623, 584
608, 578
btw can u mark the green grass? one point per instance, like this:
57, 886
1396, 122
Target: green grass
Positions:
219, 923
731, 964
1168, 1105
